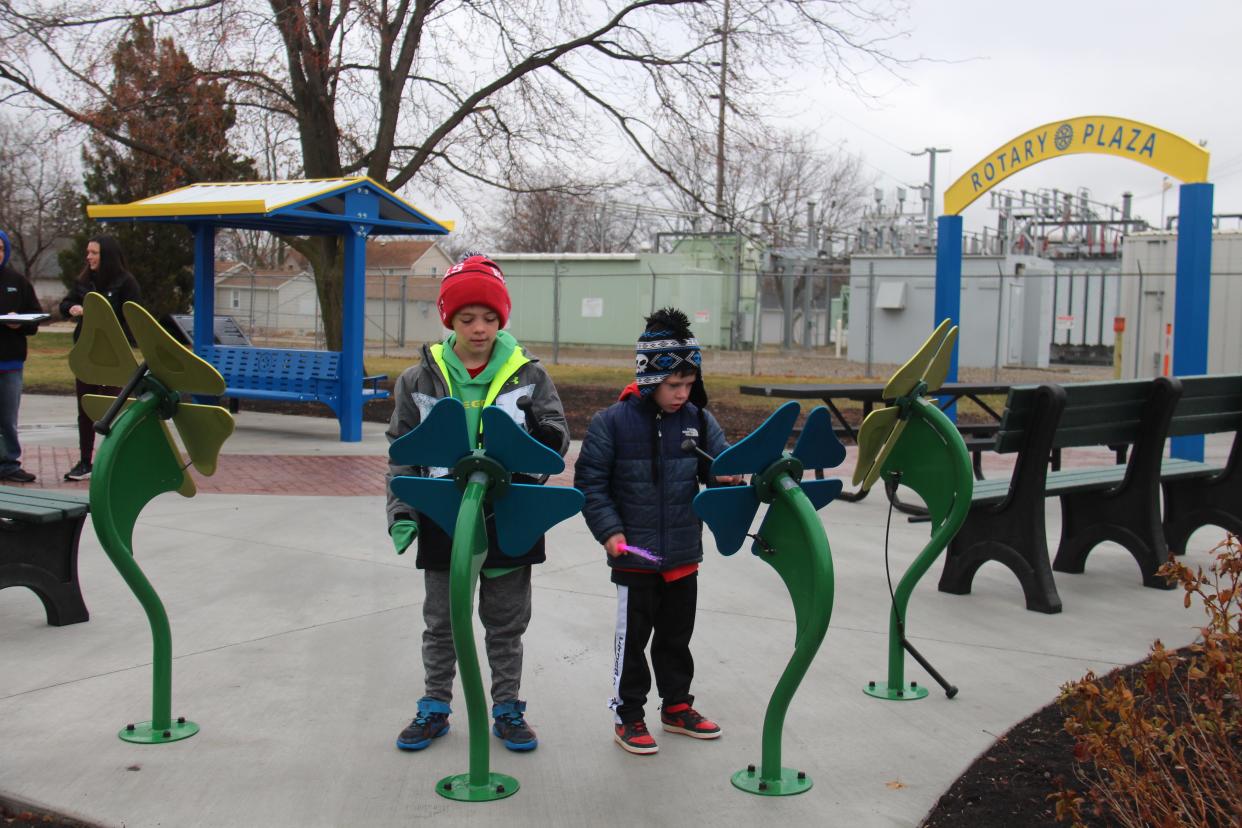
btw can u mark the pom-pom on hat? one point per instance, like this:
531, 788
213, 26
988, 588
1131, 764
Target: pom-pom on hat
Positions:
668, 347
475, 280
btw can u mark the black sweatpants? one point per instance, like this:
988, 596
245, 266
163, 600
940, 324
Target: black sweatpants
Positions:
651, 609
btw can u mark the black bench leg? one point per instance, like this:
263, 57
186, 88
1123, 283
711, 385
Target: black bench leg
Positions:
1189, 505
1003, 536
1090, 518
44, 558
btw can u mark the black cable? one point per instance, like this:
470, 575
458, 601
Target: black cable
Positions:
888, 573
949, 689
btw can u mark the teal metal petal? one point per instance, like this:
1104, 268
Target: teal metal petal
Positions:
438, 498
759, 449
509, 444
821, 492
527, 511
439, 440
818, 446
728, 512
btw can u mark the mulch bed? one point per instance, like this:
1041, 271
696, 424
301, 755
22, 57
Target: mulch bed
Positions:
1010, 783
22, 817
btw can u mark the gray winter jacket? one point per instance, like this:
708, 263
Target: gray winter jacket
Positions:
419, 388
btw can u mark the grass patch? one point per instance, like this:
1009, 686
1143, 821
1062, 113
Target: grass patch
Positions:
47, 363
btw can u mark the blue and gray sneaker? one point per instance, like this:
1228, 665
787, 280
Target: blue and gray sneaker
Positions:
511, 727
431, 722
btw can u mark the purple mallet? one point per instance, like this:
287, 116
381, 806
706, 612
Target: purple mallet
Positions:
640, 552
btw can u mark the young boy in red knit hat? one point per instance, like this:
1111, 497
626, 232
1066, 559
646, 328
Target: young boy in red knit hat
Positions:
481, 365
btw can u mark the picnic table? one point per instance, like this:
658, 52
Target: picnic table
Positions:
977, 436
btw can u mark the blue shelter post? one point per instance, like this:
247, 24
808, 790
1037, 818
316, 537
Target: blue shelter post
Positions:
204, 287
1193, 291
362, 205
948, 302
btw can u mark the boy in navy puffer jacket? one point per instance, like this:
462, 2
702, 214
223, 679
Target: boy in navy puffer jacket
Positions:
639, 483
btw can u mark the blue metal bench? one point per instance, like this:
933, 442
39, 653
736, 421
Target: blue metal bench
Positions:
39, 532
286, 375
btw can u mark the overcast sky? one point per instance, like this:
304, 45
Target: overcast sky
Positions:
1006, 67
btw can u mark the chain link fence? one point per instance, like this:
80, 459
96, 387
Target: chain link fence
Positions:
786, 321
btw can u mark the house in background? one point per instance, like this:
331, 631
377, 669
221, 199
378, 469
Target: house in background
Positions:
402, 283
268, 301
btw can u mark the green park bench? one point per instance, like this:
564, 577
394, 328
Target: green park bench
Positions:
39, 532
1118, 502
1202, 493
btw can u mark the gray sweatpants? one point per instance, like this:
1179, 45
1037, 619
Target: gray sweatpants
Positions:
504, 609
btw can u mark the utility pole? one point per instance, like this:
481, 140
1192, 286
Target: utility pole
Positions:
722, 98
931, 186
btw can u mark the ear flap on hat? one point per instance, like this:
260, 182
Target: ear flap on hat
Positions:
698, 391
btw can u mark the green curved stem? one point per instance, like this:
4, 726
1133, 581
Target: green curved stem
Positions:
469, 552
134, 466
800, 554
935, 463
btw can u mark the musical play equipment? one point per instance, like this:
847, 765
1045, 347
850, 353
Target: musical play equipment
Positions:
912, 443
791, 540
523, 512
139, 460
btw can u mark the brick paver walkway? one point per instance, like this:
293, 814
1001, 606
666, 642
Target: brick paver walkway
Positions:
282, 474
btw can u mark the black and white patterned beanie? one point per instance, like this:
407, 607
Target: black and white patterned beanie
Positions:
667, 346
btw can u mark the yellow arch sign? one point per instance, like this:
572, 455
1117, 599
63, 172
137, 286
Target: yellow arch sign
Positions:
1101, 134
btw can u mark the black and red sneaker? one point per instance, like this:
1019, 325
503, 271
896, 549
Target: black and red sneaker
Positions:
634, 737
684, 719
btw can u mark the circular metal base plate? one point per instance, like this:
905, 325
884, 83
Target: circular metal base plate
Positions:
791, 782
143, 734
912, 692
458, 787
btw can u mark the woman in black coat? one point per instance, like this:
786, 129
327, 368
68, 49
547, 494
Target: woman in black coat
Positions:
105, 272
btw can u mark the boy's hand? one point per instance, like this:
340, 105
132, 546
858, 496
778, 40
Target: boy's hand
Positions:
730, 480
613, 545
403, 533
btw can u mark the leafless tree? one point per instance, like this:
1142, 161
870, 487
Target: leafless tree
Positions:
782, 170
547, 214
39, 204
441, 92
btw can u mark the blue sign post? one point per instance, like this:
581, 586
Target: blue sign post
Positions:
948, 302
1193, 291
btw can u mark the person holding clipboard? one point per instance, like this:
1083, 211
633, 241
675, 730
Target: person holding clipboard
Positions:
19, 303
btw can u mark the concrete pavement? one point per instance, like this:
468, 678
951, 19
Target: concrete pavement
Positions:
296, 649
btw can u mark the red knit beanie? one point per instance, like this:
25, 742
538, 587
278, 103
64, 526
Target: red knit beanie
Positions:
475, 280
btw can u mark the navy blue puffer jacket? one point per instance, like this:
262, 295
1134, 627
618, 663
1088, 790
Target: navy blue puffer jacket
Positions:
639, 481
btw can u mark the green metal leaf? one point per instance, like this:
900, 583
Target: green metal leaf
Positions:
203, 429
101, 356
871, 437
915, 369
938, 368
873, 473
170, 362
